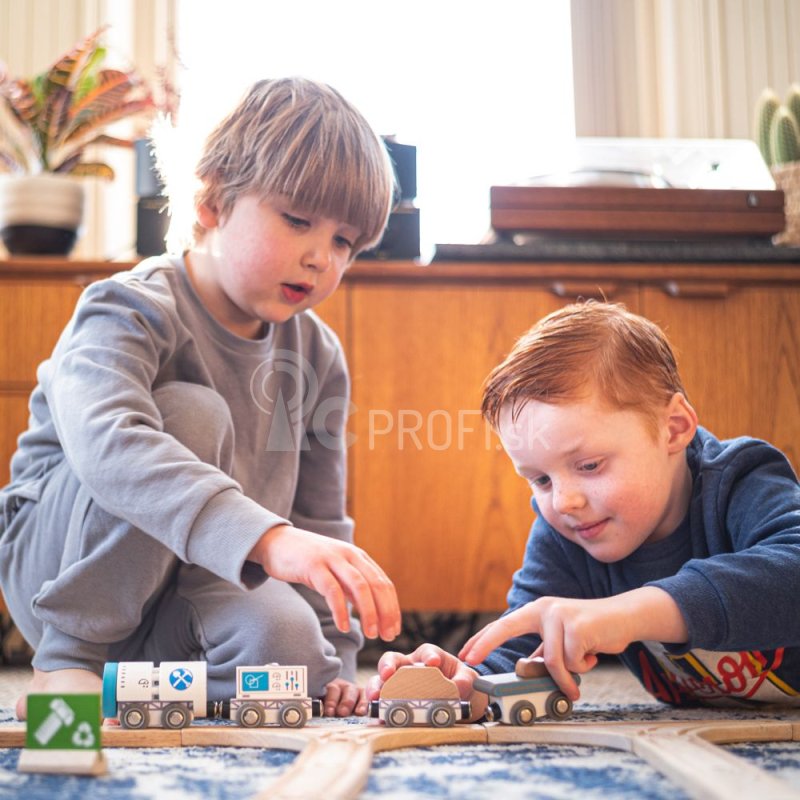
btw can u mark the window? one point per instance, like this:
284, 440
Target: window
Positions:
483, 89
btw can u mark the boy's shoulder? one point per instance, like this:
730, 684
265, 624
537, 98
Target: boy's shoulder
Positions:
722, 464
155, 279
709, 452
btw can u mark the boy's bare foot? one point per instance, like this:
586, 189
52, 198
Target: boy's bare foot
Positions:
68, 681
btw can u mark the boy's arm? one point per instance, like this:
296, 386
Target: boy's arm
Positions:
98, 386
574, 632
743, 595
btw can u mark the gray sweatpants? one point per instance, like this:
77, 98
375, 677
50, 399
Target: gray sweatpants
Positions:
85, 587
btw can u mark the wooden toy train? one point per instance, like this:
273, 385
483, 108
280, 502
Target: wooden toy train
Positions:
173, 694
142, 695
419, 695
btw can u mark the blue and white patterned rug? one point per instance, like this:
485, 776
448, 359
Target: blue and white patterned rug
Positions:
510, 771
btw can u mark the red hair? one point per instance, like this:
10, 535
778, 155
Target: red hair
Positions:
584, 347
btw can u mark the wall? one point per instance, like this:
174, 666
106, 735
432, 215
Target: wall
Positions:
680, 68
34, 33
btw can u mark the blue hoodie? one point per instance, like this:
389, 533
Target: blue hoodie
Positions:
732, 566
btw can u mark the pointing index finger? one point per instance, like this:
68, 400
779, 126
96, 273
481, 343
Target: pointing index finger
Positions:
522, 621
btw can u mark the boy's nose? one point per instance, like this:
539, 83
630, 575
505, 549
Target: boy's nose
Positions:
567, 499
318, 257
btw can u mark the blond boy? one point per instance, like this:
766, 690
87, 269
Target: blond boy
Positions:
179, 492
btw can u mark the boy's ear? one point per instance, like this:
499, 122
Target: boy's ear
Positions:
681, 423
207, 215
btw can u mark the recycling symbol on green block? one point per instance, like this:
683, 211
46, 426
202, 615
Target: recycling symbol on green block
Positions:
83, 736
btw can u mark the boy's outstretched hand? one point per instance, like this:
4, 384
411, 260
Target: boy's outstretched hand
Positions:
339, 571
574, 631
431, 656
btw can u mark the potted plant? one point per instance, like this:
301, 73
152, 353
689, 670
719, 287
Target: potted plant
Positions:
778, 137
46, 125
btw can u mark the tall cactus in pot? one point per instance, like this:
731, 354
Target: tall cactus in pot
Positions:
778, 135
784, 137
777, 126
766, 107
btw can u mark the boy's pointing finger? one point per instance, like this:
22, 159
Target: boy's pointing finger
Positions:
522, 621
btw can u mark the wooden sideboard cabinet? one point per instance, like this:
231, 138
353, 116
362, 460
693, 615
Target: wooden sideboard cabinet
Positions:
435, 499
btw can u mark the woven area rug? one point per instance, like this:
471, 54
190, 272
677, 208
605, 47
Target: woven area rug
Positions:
507, 771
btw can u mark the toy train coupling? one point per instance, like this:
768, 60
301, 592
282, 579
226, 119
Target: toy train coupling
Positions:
218, 709
493, 713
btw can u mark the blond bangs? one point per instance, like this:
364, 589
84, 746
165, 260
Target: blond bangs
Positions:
301, 140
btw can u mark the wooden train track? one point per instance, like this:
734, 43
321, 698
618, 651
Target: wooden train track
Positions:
334, 761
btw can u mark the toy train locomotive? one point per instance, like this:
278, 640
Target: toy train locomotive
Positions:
142, 695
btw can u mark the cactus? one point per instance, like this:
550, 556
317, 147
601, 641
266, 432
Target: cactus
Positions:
784, 144
767, 106
793, 101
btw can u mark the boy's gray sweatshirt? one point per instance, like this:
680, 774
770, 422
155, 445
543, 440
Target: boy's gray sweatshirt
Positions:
288, 396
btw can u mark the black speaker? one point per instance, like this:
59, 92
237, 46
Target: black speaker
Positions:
152, 220
152, 224
401, 237
404, 159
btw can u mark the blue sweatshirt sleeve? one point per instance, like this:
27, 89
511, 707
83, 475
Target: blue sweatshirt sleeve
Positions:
743, 595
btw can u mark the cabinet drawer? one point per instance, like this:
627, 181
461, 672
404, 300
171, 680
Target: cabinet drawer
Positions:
32, 315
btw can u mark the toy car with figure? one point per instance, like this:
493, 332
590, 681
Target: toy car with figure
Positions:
523, 696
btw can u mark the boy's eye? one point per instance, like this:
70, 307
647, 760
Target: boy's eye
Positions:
343, 241
296, 222
541, 482
590, 466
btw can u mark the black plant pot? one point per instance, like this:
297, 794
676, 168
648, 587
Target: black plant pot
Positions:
38, 240
40, 214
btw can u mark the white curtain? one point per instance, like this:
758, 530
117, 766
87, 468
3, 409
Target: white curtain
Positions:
680, 68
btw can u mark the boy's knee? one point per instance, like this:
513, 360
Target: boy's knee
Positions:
200, 419
285, 631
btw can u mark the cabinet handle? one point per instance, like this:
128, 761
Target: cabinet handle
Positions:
585, 289
698, 289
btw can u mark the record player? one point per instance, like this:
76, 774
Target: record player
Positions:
646, 188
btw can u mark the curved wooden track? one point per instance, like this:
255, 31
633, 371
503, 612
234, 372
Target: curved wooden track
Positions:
334, 762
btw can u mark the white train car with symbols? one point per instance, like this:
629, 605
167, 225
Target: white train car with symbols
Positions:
142, 695
271, 695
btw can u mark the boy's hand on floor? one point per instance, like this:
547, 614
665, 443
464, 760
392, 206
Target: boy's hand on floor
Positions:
431, 656
339, 571
343, 698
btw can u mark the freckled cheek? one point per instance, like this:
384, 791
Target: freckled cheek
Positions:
633, 507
